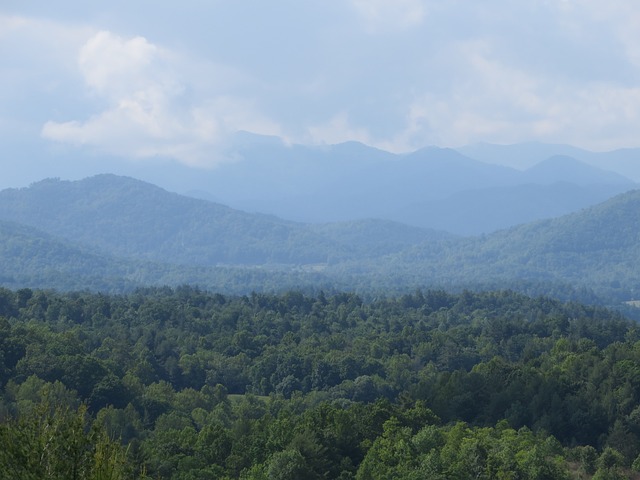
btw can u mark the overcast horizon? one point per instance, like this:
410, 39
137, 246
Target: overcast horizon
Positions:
89, 87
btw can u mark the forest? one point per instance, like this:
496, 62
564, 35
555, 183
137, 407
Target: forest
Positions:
181, 383
115, 234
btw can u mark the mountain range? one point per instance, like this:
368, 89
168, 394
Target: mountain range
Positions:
469, 190
623, 161
433, 187
115, 233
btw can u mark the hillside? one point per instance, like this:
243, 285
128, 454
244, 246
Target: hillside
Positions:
113, 233
562, 168
597, 247
483, 211
32, 257
129, 218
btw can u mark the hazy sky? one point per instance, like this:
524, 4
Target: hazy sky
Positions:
142, 80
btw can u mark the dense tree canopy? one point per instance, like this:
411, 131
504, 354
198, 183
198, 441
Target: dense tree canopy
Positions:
186, 384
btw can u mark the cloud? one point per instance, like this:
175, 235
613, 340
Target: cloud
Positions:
491, 100
11, 23
37, 53
338, 130
396, 74
390, 15
115, 66
155, 104
622, 18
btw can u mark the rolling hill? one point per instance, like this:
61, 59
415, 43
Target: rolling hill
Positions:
125, 217
597, 247
562, 168
115, 233
129, 218
36, 259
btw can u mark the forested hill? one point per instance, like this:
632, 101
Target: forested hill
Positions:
596, 246
114, 233
32, 257
184, 384
126, 217
129, 218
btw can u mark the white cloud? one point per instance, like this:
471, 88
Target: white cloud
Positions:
10, 24
154, 107
115, 66
36, 54
623, 19
338, 130
496, 102
390, 15
396, 74
489, 97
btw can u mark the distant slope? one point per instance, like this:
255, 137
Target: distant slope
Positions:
375, 238
612, 226
482, 211
129, 218
292, 181
625, 161
33, 258
556, 186
346, 182
113, 233
520, 155
562, 168
597, 247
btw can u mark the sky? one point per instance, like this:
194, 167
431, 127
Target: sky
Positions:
102, 85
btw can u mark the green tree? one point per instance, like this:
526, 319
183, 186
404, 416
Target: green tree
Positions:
288, 465
392, 455
58, 445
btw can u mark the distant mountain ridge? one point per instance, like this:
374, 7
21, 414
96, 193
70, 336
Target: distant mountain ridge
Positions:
352, 181
562, 168
624, 161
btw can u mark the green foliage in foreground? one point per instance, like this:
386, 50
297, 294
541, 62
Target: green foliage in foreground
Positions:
184, 384
53, 442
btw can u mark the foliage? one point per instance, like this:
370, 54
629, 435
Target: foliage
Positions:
427, 385
52, 442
